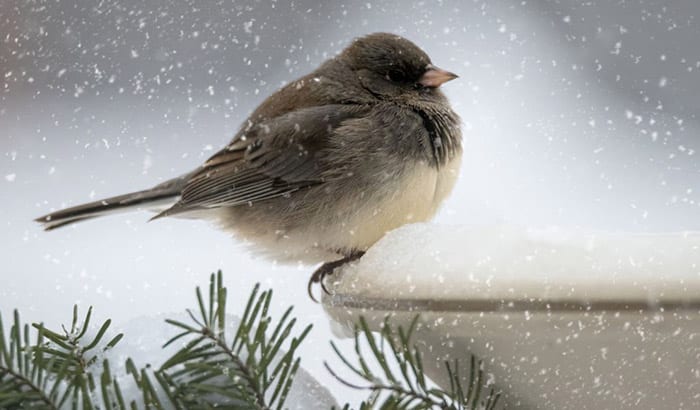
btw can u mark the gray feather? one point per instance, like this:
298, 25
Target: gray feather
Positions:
271, 159
160, 195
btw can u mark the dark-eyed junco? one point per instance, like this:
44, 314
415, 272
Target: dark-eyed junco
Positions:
325, 166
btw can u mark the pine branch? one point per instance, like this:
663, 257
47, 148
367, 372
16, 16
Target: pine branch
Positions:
214, 369
61, 370
400, 382
246, 372
51, 372
20, 382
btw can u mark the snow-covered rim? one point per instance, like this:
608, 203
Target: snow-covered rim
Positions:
513, 305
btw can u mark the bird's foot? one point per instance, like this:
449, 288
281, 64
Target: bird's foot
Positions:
326, 269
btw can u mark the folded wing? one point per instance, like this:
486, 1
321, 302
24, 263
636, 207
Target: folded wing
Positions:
272, 158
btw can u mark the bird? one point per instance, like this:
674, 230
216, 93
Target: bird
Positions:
325, 166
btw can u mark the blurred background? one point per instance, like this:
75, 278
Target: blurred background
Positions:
575, 114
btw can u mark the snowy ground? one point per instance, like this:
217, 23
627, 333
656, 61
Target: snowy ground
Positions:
573, 115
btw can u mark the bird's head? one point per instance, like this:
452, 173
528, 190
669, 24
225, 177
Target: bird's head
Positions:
390, 65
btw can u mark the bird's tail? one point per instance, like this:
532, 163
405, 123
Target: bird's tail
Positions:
161, 195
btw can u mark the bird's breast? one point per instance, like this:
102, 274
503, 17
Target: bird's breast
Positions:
347, 222
413, 196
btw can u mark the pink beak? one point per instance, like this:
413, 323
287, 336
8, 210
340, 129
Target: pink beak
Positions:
434, 77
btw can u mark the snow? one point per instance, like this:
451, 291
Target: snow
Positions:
541, 341
427, 261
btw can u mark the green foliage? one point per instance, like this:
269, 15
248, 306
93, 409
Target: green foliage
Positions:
53, 372
398, 381
251, 368
248, 372
63, 370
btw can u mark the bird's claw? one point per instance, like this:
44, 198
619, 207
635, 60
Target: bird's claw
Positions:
327, 269
318, 276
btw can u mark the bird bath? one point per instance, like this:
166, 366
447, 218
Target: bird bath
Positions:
561, 320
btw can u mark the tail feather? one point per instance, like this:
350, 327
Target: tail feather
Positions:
161, 195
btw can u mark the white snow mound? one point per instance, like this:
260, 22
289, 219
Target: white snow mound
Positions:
426, 261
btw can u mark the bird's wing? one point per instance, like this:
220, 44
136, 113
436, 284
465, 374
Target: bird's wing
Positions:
269, 159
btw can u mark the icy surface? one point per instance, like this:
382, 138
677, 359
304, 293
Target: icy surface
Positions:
430, 261
143, 340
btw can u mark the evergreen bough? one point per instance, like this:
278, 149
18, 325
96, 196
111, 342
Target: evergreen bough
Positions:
253, 368
398, 379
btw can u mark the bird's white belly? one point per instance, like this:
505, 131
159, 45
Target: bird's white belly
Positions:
354, 222
414, 197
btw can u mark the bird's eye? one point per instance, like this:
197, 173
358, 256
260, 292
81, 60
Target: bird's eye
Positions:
396, 76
